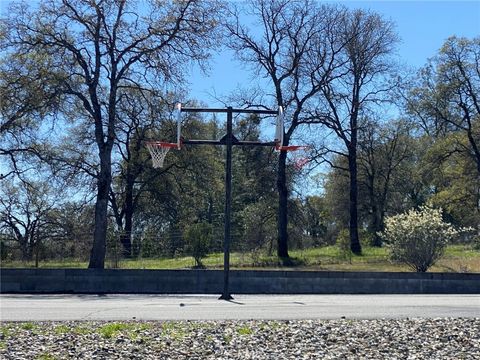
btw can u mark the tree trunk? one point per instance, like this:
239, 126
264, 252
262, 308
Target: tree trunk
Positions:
282, 250
126, 237
375, 221
97, 255
377, 226
37, 253
352, 167
24, 248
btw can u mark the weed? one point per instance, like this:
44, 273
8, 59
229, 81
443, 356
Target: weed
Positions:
46, 356
110, 330
28, 326
5, 332
274, 325
173, 330
143, 327
82, 330
244, 330
136, 333
61, 329
227, 339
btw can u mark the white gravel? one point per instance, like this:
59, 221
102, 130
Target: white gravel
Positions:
444, 338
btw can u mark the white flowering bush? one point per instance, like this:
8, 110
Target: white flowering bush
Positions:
418, 238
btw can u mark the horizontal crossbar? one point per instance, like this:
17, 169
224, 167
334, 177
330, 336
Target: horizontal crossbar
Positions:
235, 143
226, 110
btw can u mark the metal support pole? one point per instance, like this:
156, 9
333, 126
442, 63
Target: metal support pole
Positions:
228, 203
228, 141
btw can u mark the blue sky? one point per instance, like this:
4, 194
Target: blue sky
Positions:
422, 26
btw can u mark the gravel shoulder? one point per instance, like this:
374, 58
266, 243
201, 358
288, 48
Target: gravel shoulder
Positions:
440, 338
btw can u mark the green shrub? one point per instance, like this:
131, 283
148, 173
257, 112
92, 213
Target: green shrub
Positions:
367, 239
343, 241
476, 242
343, 244
198, 238
418, 238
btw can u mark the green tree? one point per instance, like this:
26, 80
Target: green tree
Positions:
446, 98
317, 219
188, 189
393, 176
444, 102
454, 180
383, 150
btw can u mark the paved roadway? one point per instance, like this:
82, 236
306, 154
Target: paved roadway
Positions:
201, 307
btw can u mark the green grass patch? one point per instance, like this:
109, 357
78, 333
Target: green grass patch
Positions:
244, 330
61, 329
28, 326
5, 332
462, 251
135, 334
227, 339
174, 330
113, 329
48, 264
457, 258
46, 356
82, 330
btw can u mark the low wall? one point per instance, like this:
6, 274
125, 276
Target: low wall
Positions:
85, 281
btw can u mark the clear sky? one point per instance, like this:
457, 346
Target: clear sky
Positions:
422, 26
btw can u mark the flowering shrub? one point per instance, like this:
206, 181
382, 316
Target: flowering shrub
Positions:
418, 238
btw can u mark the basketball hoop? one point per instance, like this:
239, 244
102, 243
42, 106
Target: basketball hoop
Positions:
158, 150
300, 159
299, 155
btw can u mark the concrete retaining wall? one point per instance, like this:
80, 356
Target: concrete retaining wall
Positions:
86, 281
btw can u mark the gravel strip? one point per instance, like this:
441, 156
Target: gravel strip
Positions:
307, 339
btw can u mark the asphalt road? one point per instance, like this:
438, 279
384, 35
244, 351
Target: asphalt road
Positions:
201, 307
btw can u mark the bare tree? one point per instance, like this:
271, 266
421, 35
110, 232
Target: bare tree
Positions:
25, 210
27, 92
101, 49
282, 53
358, 80
138, 117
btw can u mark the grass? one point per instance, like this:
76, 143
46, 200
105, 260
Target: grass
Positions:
111, 330
5, 332
82, 330
457, 258
28, 326
46, 356
173, 330
244, 330
61, 329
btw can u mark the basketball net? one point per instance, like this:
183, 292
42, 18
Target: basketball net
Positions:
299, 156
158, 151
